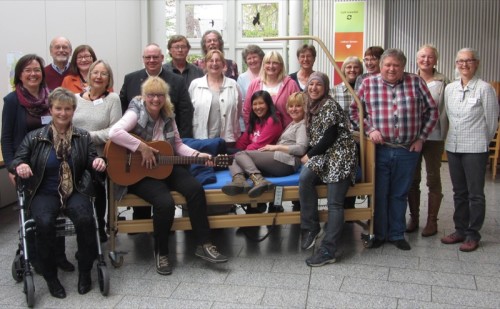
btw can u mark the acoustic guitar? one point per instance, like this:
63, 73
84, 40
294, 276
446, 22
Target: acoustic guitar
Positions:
125, 168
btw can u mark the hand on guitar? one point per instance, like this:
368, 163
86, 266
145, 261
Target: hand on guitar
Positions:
148, 155
209, 162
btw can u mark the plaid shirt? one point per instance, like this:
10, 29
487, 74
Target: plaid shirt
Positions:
473, 115
402, 113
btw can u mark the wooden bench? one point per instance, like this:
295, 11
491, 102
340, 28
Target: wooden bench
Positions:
217, 197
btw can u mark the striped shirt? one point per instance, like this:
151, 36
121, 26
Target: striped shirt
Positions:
473, 115
402, 113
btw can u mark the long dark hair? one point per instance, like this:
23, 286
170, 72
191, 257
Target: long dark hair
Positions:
271, 110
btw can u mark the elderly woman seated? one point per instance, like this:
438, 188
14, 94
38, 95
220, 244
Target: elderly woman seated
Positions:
56, 159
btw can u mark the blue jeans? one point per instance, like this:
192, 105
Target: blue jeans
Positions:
44, 210
394, 169
467, 172
309, 216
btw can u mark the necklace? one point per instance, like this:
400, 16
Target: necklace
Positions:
93, 99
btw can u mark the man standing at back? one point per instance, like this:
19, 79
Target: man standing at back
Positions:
178, 47
60, 51
152, 58
400, 115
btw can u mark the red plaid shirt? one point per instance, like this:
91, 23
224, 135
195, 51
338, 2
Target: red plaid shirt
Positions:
402, 113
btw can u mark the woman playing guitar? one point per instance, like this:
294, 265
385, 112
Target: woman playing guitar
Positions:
151, 118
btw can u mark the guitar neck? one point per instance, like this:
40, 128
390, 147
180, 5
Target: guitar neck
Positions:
165, 160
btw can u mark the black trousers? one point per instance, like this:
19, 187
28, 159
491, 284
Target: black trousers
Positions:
157, 193
44, 210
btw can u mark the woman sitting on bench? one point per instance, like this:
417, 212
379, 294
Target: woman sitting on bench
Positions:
331, 160
278, 160
151, 117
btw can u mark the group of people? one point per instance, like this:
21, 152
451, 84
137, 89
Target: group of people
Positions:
415, 117
59, 117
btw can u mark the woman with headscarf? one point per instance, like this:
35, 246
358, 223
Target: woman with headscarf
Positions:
332, 160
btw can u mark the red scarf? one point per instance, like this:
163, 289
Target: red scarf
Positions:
36, 107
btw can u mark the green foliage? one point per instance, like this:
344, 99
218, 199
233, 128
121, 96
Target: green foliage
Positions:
260, 33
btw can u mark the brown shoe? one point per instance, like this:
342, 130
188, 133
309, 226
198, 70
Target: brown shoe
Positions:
453, 238
469, 245
412, 224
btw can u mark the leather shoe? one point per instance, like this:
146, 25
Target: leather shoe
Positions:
56, 289
376, 243
84, 282
469, 245
401, 244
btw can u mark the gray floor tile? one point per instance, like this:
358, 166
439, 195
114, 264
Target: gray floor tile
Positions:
387, 288
461, 297
268, 279
334, 299
285, 298
432, 278
221, 293
161, 302
490, 284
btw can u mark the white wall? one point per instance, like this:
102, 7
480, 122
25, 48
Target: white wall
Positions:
114, 29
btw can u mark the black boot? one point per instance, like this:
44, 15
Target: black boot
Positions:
84, 282
55, 288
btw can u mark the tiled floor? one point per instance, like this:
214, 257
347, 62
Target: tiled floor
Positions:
272, 273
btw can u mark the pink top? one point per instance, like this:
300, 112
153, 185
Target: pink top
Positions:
262, 135
119, 135
287, 87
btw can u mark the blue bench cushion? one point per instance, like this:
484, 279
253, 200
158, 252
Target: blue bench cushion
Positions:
224, 177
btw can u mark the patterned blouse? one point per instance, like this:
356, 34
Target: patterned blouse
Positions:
340, 160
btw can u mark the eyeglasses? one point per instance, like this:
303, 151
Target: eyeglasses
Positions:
32, 71
101, 74
155, 95
180, 47
63, 47
373, 59
212, 41
151, 57
464, 61
85, 57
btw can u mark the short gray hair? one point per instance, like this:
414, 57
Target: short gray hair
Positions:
394, 53
62, 95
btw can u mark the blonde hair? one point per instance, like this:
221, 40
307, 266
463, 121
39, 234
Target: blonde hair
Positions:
272, 56
155, 84
210, 53
296, 98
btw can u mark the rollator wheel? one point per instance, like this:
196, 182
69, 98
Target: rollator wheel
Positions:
17, 269
103, 279
29, 289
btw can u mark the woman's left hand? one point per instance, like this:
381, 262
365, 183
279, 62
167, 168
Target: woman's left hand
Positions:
99, 164
206, 155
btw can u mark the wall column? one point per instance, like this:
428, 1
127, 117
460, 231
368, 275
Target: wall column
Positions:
296, 24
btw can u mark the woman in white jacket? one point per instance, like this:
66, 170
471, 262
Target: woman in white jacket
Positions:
217, 102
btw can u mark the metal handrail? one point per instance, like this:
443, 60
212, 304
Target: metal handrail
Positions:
337, 69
